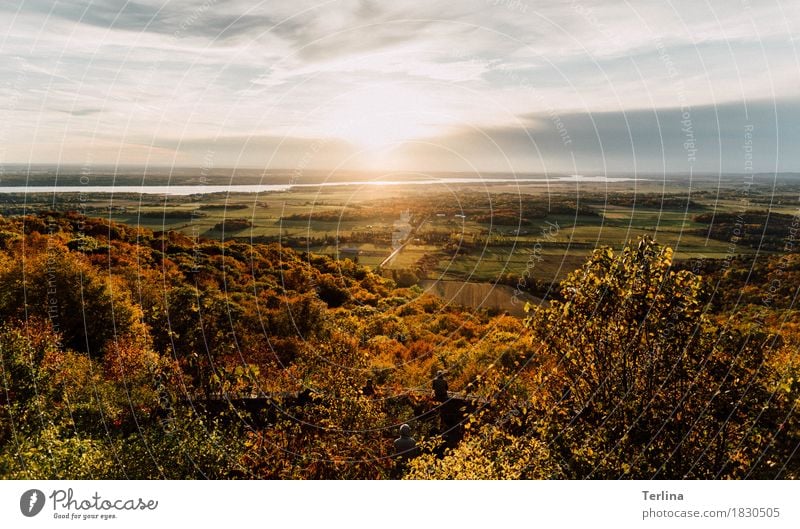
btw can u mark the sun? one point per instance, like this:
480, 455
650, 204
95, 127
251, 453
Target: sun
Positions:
380, 116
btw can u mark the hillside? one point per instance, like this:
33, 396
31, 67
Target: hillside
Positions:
148, 355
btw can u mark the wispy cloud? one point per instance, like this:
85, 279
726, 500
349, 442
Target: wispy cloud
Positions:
133, 74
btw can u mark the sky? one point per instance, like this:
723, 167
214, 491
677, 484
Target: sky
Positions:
573, 86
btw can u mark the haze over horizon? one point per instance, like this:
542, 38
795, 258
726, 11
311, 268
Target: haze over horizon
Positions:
486, 85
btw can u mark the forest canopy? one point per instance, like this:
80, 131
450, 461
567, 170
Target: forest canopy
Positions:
126, 353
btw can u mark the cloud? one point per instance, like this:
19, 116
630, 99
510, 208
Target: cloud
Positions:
730, 138
291, 153
81, 111
152, 69
205, 19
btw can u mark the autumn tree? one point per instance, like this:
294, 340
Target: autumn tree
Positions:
648, 385
337, 433
87, 307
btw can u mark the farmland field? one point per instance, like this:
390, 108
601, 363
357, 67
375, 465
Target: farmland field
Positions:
480, 233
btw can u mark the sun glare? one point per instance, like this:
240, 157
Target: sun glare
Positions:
380, 116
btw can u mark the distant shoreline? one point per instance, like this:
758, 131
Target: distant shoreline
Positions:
195, 189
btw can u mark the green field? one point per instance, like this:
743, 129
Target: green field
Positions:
466, 232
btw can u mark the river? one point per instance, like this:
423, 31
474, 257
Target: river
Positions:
183, 190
